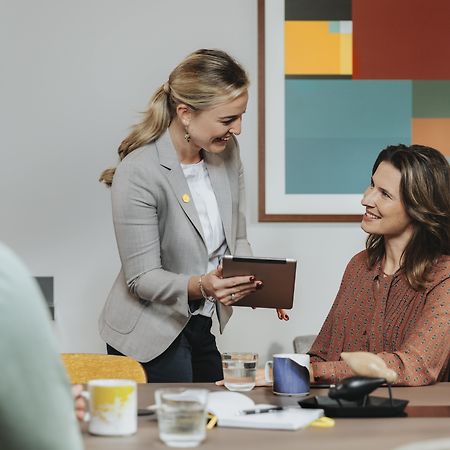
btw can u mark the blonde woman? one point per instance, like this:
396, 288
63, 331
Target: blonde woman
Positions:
178, 206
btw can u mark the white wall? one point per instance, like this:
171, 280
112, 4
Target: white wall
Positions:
74, 76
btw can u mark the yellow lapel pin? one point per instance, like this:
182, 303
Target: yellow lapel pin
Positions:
186, 198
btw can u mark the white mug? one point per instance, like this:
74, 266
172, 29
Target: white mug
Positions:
112, 407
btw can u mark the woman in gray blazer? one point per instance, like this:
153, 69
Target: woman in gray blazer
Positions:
178, 206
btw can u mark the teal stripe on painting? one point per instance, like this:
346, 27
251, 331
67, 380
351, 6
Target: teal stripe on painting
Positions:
332, 166
431, 98
335, 129
357, 108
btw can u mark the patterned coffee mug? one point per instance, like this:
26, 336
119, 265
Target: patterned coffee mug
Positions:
112, 407
290, 374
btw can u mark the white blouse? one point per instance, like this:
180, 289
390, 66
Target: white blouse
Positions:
205, 201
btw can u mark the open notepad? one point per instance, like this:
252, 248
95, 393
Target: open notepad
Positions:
228, 407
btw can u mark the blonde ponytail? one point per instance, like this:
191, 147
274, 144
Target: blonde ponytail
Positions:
156, 120
203, 80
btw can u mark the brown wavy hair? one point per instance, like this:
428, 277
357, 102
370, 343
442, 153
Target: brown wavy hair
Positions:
201, 81
425, 194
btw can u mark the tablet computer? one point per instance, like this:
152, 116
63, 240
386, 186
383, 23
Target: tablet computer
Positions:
278, 276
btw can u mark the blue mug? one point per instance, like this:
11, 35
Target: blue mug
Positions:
290, 373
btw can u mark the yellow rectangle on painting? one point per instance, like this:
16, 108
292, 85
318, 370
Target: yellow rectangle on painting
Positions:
346, 54
433, 133
310, 49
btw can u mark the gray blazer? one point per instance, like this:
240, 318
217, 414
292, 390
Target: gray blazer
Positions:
161, 244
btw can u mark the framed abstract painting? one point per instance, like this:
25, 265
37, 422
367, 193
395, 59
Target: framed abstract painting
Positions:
339, 80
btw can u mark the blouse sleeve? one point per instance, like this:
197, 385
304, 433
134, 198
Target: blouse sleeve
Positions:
424, 355
329, 371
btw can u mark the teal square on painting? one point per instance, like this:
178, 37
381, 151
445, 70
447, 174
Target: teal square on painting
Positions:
334, 27
335, 128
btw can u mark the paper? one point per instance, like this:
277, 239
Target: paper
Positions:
227, 406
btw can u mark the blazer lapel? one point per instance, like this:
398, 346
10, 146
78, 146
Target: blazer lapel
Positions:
221, 186
175, 176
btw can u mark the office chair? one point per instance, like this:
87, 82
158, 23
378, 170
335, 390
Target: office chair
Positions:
82, 367
303, 343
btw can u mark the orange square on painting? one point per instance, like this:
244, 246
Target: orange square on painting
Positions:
432, 132
401, 39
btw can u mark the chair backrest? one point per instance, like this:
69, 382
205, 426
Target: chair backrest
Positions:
302, 344
82, 367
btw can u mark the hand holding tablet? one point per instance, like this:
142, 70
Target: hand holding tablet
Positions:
277, 275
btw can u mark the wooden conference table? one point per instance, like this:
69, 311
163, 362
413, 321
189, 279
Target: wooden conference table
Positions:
347, 434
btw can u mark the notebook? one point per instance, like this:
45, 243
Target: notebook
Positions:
228, 407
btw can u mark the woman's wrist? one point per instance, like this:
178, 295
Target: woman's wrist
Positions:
205, 296
201, 288
194, 292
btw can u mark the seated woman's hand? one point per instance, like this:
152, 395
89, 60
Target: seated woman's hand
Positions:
281, 313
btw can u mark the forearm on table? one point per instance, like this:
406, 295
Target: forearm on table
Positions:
414, 369
330, 371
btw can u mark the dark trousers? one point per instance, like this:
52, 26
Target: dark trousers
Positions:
192, 356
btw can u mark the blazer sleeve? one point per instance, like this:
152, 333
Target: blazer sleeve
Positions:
134, 207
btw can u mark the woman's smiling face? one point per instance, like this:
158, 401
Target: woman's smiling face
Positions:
385, 213
211, 129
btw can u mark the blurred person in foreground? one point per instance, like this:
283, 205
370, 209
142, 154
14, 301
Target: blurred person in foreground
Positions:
36, 404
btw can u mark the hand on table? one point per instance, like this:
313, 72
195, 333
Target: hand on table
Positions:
79, 402
260, 379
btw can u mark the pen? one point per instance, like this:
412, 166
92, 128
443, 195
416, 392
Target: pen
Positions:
262, 410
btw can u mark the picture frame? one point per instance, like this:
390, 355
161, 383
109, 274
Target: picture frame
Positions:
361, 109
294, 208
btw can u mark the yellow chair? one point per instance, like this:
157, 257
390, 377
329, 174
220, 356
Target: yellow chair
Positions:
82, 367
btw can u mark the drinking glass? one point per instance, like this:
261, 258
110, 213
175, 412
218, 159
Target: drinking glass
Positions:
181, 416
239, 370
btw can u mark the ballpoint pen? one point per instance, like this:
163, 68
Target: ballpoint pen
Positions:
262, 410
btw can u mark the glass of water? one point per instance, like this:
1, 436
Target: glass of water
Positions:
181, 416
239, 370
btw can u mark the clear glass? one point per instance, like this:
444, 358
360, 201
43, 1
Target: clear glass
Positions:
239, 370
181, 416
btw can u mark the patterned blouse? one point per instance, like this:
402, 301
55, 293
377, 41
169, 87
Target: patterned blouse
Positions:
408, 329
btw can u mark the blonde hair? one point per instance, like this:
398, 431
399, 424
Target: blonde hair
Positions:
201, 81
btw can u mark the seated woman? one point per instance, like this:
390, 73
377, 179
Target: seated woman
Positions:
394, 299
